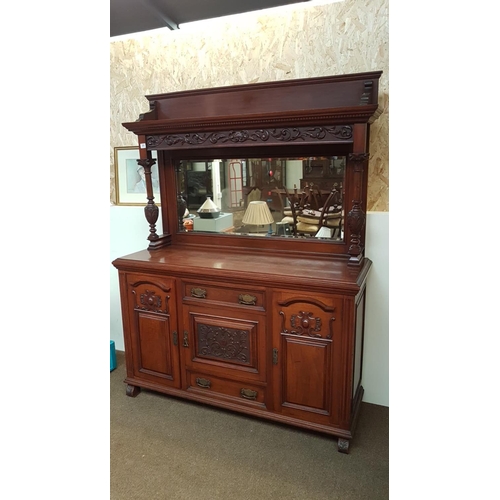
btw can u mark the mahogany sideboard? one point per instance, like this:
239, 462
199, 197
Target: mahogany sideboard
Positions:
260, 322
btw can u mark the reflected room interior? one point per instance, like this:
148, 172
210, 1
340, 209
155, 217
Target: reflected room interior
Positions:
303, 196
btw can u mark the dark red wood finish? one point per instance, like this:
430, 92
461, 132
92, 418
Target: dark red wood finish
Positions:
271, 327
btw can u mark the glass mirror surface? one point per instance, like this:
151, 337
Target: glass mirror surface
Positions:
262, 197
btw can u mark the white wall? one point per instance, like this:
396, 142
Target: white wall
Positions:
376, 348
129, 231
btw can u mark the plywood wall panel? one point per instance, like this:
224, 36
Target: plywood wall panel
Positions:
304, 42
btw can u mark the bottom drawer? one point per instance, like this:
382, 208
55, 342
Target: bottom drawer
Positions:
228, 390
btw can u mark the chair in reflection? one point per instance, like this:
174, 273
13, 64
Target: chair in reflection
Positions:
329, 217
308, 210
292, 203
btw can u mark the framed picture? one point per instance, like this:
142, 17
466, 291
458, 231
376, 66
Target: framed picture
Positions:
130, 185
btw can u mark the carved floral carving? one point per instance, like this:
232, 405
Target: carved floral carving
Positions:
272, 135
149, 301
305, 323
225, 343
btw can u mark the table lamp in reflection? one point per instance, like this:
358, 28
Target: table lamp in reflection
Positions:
258, 214
324, 232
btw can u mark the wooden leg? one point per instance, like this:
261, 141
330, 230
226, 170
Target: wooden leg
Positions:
133, 390
343, 445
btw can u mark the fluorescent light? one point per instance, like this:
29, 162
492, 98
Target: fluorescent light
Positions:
323, 2
256, 13
141, 34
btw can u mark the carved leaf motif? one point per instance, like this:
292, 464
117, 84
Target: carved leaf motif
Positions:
285, 134
356, 219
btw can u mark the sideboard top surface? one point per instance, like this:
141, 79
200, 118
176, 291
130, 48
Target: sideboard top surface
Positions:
263, 268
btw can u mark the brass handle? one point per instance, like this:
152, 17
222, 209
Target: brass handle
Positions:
203, 382
199, 293
247, 299
185, 342
248, 394
174, 334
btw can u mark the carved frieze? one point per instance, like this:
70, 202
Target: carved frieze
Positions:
331, 133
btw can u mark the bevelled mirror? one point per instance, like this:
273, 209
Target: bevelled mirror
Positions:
293, 197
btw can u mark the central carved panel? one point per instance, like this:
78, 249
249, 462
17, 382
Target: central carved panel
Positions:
225, 343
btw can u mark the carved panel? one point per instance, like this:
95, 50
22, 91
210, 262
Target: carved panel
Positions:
331, 133
230, 344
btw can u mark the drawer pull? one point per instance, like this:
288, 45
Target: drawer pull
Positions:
247, 299
248, 394
203, 382
199, 293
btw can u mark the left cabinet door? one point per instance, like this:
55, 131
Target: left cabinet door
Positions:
151, 332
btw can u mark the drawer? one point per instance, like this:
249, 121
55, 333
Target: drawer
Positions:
239, 392
236, 295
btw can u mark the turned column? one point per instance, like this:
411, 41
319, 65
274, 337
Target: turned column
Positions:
151, 210
356, 217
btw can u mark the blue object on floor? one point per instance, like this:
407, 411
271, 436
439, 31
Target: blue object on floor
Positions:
112, 355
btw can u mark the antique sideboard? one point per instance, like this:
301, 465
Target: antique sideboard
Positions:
254, 318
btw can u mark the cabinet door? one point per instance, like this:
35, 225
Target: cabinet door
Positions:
224, 342
306, 329
224, 356
153, 329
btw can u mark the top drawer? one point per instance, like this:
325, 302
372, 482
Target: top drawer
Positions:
236, 295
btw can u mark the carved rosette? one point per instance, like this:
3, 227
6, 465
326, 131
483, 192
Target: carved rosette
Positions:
305, 323
226, 343
150, 301
267, 136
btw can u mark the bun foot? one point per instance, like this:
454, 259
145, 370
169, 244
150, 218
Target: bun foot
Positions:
343, 445
133, 390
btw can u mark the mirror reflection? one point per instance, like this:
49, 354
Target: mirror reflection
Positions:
270, 197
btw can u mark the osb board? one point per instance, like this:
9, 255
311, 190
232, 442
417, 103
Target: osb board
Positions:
346, 37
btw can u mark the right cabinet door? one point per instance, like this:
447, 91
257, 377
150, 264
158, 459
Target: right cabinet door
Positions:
307, 362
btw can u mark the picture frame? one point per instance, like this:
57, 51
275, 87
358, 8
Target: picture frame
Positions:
130, 187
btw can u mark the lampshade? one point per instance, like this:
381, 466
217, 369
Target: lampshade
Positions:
324, 232
208, 206
258, 213
209, 210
